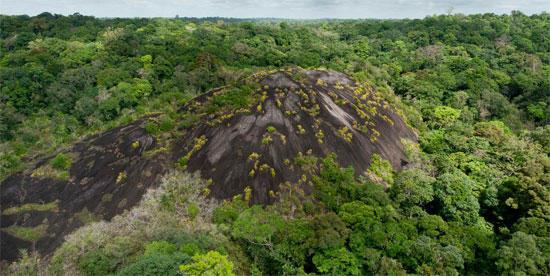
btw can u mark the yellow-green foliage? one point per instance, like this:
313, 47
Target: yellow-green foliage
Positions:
56, 168
345, 134
31, 234
199, 143
254, 156
381, 169
374, 135
48, 171
283, 138
211, 263
247, 193
29, 207
301, 130
320, 135
266, 139
135, 144
121, 177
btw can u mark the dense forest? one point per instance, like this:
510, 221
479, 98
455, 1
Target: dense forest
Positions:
473, 199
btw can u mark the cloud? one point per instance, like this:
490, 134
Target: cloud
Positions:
271, 8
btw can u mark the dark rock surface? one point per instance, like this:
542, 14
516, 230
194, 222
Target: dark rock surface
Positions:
90, 193
334, 106
292, 112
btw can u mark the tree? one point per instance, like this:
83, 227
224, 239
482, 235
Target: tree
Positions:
337, 262
455, 198
257, 225
524, 254
444, 116
413, 187
210, 264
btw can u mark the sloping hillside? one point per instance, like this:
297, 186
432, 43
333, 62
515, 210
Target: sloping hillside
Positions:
252, 135
291, 113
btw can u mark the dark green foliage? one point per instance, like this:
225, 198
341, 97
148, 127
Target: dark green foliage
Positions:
97, 263
524, 254
235, 97
152, 265
455, 198
334, 185
256, 225
473, 199
413, 188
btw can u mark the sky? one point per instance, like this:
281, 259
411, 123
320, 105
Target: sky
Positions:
302, 9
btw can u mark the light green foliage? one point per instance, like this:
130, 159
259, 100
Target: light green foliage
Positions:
57, 168
101, 248
152, 128
85, 216
444, 116
166, 124
61, 162
31, 234
210, 264
146, 59
192, 210
159, 248
381, 170
31, 207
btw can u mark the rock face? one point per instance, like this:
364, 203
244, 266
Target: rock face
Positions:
251, 142
91, 191
298, 111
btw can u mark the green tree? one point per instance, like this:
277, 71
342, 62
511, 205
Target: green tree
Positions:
413, 187
337, 262
455, 198
210, 264
524, 254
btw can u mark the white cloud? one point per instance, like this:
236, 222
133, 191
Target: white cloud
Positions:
271, 8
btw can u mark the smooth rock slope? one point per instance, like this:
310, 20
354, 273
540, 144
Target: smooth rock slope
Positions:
247, 135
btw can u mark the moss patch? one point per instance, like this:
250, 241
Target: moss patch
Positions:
30, 234
41, 207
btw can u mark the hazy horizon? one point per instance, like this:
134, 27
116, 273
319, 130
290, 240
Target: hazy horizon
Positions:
284, 9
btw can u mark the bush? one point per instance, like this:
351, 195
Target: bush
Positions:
211, 263
238, 97
97, 262
152, 265
159, 248
166, 124
152, 128
61, 162
443, 116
